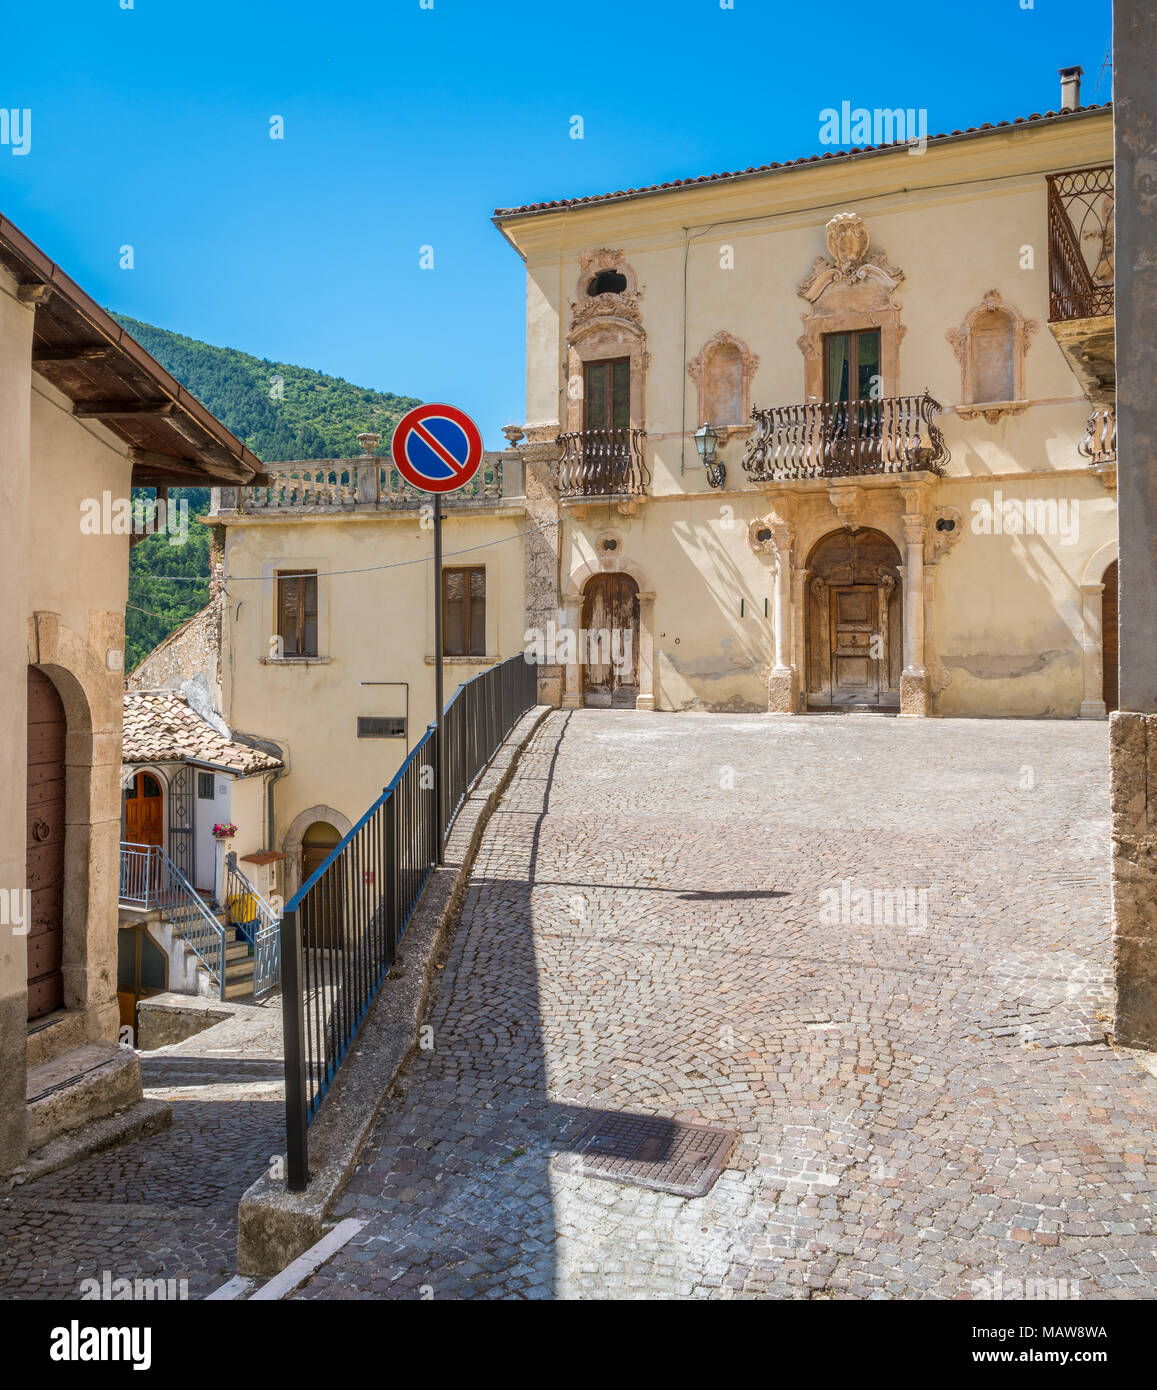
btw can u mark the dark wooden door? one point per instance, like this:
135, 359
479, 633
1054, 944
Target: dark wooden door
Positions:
144, 811
610, 642
855, 671
47, 730
1109, 639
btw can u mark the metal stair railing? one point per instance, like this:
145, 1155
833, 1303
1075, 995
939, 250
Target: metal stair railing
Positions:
180, 904
257, 923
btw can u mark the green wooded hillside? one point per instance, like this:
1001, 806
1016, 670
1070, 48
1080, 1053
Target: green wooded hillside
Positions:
280, 411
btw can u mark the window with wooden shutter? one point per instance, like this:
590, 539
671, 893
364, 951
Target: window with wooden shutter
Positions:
464, 611
297, 613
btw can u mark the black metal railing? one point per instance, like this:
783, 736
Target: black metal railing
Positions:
838, 439
1080, 213
340, 931
603, 463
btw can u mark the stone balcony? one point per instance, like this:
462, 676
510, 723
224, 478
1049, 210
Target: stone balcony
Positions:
324, 487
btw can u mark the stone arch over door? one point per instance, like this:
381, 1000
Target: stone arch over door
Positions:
854, 642
293, 841
611, 561
1099, 694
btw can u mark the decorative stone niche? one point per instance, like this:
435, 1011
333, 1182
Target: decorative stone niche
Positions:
852, 289
606, 321
990, 346
722, 373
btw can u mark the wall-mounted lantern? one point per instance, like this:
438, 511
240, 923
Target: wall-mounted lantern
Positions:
705, 441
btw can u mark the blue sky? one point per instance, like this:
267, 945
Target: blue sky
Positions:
406, 127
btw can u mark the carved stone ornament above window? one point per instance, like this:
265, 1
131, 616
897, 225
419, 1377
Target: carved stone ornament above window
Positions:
606, 267
990, 346
852, 291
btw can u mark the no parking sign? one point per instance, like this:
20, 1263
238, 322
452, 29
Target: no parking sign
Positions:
437, 448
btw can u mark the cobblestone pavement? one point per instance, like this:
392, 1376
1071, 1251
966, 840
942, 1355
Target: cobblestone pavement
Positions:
678, 915
162, 1208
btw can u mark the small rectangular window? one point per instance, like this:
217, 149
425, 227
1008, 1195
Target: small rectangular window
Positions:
297, 612
381, 727
205, 788
464, 611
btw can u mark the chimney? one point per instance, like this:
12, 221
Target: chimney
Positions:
1071, 88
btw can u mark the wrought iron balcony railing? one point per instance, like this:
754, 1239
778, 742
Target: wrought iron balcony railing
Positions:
840, 439
603, 463
1081, 244
1100, 442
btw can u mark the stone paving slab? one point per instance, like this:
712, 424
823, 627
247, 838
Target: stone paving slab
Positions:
878, 950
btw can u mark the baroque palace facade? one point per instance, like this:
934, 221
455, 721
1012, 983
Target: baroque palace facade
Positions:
906, 361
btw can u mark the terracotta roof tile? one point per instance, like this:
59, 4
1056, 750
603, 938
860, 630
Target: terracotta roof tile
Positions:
787, 164
160, 726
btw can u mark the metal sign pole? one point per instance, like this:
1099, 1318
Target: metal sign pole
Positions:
439, 759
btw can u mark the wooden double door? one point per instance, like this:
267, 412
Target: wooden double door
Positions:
609, 639
853, 621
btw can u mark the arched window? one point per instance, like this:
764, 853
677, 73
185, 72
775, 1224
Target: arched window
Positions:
607, 282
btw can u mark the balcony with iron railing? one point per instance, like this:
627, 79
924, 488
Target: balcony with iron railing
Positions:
844, 439
1081, 275
603, 463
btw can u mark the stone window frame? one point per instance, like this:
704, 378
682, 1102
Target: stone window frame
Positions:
961, 340
696, 370
603, 326
850, 290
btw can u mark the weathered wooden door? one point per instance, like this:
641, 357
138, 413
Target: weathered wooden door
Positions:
609, 641
144, 811
1109, 639
855, 670
44, 857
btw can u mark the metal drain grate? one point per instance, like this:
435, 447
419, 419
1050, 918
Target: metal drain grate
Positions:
647, 1151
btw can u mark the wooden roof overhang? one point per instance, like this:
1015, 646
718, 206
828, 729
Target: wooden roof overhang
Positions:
82, 351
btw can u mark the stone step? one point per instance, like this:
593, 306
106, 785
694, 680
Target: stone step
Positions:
77, 1087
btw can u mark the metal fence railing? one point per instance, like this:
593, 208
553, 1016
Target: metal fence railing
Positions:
340, 931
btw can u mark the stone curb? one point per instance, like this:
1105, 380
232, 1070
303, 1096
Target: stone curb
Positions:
274, 1226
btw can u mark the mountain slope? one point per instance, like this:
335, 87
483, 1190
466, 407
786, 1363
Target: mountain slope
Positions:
280, 411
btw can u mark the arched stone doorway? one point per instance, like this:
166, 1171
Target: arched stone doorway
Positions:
293, 841
609, 642
45, 852
1109, 638
324, 907
854, 623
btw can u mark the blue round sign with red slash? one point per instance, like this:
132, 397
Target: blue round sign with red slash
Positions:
437, 448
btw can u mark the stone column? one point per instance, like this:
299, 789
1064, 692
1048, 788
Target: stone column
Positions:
783, 683
914, 678
543, 542
1093, 703
646, 696
572, 695
1133, 728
